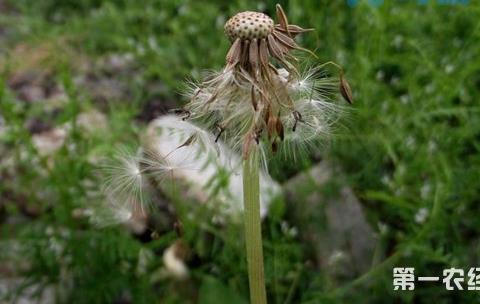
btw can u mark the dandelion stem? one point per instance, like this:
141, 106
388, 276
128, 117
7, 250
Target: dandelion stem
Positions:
253, 229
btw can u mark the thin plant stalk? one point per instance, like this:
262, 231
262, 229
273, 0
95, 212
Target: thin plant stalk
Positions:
253, 229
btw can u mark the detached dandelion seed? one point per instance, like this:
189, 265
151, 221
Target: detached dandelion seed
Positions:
125, 178
126, 186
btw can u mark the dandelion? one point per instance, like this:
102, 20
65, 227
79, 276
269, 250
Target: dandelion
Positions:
254, 105
251, 98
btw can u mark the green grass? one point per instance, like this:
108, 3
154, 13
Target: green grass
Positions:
411, 141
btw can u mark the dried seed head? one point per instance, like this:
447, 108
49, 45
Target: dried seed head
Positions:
251, 94
255, 39
249, 25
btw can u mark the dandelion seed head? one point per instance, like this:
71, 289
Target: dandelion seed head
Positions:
249, 25
260, 98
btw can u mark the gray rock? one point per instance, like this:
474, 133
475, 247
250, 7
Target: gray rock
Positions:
330, 218
103, 90
31, 93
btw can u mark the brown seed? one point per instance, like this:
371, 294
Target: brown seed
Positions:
258, 134
279, 128
282, 18
178, 227
274, 146
189, 141
294, 128
253, 54
271, 126
233, 55
254, 100
267, 115
220, 132
298, 118
345, 90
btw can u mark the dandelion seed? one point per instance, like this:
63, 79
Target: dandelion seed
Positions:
124, 191
125, 177
345, 90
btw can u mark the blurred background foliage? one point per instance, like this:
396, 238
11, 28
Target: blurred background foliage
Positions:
409, 147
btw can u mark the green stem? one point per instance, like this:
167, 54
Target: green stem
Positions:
253, 229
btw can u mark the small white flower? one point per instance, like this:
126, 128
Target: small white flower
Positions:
397, 41
173, 262
405, 99
337, 257
410, 141
432, 147
449, 68
421, 215
425, 190
382, 228
380, 75
386, 180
